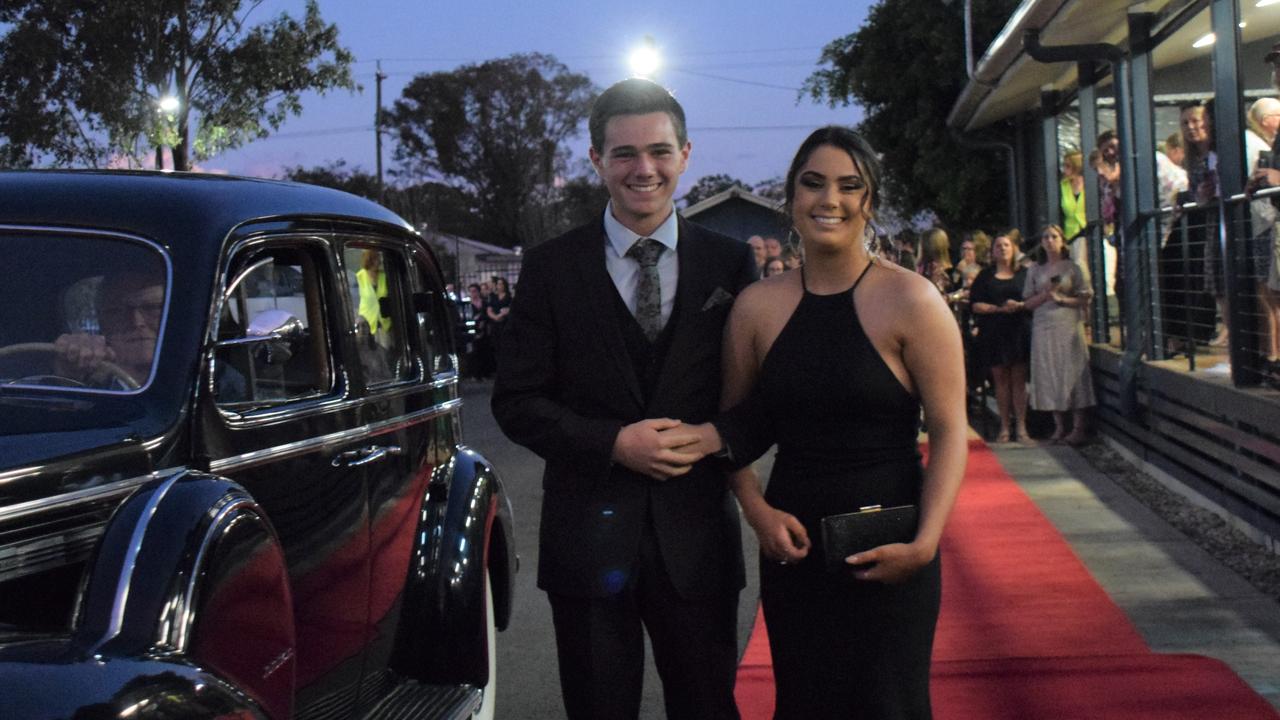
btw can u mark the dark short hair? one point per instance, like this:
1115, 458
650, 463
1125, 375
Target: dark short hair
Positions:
114, 285
1106, 136
837, 136
634, 96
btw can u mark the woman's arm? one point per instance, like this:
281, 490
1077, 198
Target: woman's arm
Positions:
782, 537
1032, 300
934, 357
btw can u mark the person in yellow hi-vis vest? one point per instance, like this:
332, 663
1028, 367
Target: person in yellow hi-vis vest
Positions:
372, 282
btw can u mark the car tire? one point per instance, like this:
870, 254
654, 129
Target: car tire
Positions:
490, 690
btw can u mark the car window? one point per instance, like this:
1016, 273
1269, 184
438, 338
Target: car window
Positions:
377, 287
272, 342
438, 319
81, 313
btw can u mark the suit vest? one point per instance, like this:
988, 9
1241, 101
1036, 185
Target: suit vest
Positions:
647, 358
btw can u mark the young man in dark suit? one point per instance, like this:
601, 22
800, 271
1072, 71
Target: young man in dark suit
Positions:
614, 338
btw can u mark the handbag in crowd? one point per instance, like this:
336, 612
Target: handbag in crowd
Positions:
870, 527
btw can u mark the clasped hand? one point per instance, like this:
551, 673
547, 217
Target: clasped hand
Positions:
662, 448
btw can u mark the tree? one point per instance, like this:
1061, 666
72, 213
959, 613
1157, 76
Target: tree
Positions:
772, 189
905, 66
336, 175
430, 204
709, 185
494, 130
82, 80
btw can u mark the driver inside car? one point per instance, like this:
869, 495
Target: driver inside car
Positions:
130, 305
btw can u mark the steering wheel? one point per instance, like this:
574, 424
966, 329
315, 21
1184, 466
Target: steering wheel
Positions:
105, 368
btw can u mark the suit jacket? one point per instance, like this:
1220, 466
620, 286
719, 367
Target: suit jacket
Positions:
566, 386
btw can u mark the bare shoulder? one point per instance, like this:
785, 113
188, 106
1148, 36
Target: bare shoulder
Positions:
761, 302
766, 291
905, 288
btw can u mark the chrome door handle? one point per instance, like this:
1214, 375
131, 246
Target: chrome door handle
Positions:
365, 455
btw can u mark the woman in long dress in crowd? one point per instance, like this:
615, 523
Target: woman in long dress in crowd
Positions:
1260, 141
1056, 294
838, 359
1003, 341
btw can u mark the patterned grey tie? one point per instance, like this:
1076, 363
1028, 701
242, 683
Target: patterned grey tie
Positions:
649, 289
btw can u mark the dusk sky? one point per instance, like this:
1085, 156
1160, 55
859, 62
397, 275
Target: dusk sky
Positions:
735, 66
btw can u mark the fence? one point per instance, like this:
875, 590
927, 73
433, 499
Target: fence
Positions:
1180, 360
1199, 269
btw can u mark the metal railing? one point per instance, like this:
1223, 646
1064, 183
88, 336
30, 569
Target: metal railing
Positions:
1199, 269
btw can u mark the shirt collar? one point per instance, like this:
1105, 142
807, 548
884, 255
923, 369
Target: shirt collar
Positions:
621, 238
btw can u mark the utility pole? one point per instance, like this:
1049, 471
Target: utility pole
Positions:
379, 76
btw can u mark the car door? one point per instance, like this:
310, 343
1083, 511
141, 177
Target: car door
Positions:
278, 414
397, 359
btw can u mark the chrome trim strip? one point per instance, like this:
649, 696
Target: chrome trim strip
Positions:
77, 497
184, 608
131, 556
301, 447
293, 409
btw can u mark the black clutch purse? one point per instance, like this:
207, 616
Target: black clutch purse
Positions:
850, 533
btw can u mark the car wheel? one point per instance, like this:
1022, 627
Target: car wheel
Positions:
491, 641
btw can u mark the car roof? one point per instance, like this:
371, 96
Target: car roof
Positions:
174, 209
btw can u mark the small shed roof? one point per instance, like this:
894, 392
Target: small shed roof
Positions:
737, 191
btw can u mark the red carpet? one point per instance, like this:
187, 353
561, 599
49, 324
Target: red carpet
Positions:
1026, 632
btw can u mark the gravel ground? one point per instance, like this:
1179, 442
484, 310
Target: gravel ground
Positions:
1253, 562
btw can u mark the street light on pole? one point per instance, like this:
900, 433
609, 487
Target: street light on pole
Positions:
645, 59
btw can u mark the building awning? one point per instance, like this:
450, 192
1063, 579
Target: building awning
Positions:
1006, 81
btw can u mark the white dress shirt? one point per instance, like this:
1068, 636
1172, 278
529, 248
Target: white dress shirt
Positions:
625, 271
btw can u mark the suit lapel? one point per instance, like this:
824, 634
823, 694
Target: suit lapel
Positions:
691, 290
599, 290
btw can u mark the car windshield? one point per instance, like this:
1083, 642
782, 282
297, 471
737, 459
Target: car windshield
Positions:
80, 313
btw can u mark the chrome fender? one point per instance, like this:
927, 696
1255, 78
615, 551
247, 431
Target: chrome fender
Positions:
464, 532
48, 681
189, 570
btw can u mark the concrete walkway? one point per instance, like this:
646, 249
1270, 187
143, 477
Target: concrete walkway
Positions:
1178, 596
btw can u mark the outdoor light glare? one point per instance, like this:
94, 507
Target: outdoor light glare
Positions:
169, 103
1264, 3
644, 59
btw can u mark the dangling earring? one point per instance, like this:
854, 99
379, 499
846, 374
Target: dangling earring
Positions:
792, 240
795, 244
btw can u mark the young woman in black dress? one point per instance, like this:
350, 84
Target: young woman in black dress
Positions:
838, 359
1004, 334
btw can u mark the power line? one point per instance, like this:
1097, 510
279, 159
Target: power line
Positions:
675, 68
749, 128
317, 133
736, 80
369, 128
701, 53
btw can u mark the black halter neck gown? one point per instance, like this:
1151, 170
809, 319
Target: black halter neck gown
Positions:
846, 430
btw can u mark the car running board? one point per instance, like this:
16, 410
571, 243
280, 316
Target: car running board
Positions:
411, 700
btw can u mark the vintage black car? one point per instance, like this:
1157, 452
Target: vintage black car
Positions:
232, 479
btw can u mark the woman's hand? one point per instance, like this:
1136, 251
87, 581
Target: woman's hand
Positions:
893, 563
782, 537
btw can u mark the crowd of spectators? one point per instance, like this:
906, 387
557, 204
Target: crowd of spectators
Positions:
481, 319
1024, 308
1022, 316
